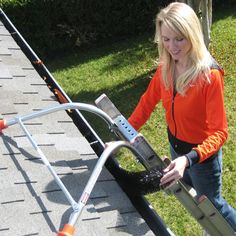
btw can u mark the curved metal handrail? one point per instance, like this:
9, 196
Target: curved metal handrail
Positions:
59, 107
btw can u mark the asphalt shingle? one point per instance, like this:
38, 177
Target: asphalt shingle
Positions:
31, 203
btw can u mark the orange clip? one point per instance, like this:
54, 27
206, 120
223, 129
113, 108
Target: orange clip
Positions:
68, 230
38, 62
60, 96
2, 125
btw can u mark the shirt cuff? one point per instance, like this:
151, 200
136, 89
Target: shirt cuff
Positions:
192, 157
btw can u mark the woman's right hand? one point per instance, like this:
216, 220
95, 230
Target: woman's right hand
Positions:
174, 171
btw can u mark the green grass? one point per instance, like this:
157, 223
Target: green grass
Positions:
123, 70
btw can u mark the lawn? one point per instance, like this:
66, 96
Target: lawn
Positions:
122, 70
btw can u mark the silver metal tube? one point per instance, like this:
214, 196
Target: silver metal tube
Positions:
81, 106
48, 165
110, 148
65, 106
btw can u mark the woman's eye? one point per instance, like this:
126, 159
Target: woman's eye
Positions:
165, 39
179, 39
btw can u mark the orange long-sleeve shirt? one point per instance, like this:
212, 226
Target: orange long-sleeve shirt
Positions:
198, 117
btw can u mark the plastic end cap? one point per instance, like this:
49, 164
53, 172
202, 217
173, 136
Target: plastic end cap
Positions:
68, 230
2, 125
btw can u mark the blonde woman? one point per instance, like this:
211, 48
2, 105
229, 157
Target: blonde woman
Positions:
189, 83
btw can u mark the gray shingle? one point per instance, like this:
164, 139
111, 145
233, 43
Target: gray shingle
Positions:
31, 203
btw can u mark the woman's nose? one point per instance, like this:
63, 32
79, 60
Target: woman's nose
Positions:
172, 44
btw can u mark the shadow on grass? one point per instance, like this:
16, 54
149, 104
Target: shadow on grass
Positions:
125, 96
123, 52
118, 48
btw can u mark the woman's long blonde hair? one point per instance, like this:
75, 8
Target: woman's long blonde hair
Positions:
182, 19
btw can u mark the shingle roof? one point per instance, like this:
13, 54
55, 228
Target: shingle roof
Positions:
31, 203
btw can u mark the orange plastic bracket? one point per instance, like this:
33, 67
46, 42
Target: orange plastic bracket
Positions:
60, 96
2, 125
37, 62
68, 230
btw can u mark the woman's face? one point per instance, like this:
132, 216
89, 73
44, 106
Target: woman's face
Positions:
176, 45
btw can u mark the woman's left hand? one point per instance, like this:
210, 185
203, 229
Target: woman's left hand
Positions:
174, 171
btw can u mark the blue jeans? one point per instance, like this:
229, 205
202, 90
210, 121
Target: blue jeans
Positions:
206, 179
